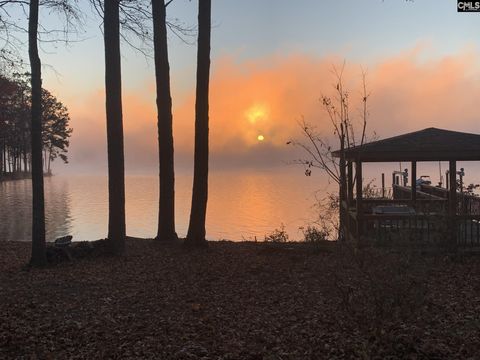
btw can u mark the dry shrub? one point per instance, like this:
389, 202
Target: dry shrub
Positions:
278, 235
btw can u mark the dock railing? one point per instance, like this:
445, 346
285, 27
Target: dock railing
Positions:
428, 223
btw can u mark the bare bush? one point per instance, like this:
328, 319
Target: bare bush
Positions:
278, 235
348, 131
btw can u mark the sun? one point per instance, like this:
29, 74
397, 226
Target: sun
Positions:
260, 137
256, 113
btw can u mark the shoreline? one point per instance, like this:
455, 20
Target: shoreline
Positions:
20, 176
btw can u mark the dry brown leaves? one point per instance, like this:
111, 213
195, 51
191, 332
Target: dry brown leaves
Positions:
239, 301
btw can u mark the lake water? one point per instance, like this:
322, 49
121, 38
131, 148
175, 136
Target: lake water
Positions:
242, 205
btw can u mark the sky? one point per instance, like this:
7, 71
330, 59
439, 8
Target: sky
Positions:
272, 60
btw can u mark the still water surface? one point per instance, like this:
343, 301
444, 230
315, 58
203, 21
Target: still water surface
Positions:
242, 205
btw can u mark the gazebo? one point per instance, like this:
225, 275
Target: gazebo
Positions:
428, 213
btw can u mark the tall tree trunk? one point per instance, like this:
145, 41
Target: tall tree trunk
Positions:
39, 256
1, 161
2, 156
24, 152
49, 171
113, 89
196, 228
166, 209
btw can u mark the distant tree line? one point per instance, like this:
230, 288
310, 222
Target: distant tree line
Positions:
15, 127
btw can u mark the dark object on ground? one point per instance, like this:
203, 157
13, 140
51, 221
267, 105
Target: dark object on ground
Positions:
63, 241
63, 249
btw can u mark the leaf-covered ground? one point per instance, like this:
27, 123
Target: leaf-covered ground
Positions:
240, 301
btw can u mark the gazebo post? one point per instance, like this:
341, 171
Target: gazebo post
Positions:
383, 185
452, 200
350, 183
349, 201
413, 184
358, 174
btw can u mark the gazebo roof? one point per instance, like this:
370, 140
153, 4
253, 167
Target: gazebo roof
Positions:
429, 144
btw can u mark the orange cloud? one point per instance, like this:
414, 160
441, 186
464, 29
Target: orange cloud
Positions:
267, 96
409, 94
257, 98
